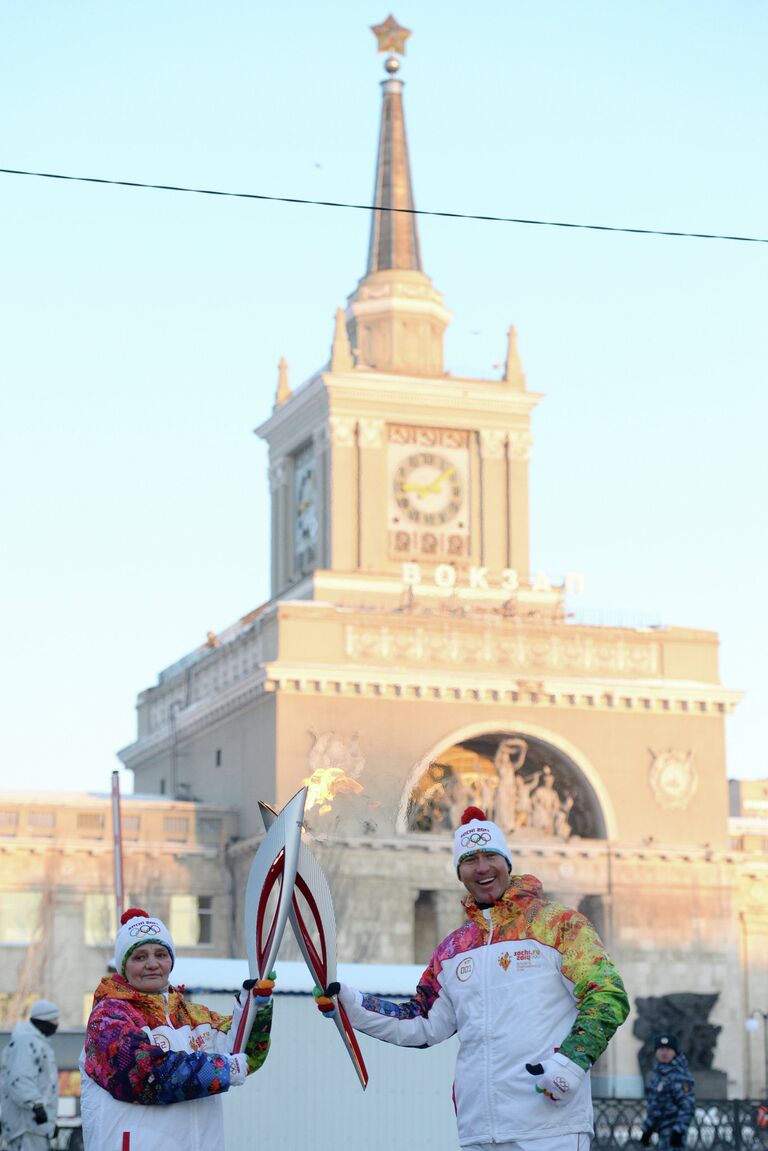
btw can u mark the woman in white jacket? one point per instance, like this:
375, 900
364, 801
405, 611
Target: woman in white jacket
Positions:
154, 1067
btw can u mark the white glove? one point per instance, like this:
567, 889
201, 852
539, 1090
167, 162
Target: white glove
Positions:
557, 1078
238, 1069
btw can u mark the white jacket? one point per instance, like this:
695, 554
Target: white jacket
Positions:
194, 1125
28, 1075
517, 983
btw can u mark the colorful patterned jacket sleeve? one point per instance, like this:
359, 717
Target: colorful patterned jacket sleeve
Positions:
602, 1001
120, 1058
257, 1047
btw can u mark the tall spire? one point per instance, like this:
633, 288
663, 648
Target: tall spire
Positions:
394, 237
396, 318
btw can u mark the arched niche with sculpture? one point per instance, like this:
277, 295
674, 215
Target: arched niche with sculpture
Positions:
532, 789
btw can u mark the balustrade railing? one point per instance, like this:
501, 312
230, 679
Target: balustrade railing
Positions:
739, 1124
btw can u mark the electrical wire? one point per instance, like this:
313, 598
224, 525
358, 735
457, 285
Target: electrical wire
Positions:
378, 208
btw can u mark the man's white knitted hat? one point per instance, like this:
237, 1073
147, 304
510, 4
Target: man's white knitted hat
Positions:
476, 833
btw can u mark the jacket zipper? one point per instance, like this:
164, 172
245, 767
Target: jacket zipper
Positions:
487, 913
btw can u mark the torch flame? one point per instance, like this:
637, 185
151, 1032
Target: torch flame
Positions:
324, 784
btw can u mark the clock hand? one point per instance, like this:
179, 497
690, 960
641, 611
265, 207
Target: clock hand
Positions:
438, 480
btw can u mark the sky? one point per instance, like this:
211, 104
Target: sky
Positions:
140, 330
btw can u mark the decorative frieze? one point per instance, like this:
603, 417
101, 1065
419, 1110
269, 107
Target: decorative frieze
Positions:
551, 652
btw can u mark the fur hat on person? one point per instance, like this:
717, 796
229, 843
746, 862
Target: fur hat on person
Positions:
138, 928
476, 833
666, 1039
44, 1011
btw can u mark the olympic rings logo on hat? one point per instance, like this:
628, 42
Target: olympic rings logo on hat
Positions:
145, 927
475, 837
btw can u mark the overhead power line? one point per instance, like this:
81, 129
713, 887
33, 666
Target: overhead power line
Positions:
376, 208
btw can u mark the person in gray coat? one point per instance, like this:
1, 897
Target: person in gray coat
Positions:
29, 1081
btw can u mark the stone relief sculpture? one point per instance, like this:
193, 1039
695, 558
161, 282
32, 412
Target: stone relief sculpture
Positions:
686, 1015
517, 789
673, 777
335, 762
510, 755
545, 803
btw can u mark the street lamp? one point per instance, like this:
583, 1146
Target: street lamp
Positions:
753, 1024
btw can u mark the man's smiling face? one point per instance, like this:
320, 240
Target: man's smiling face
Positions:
485, 875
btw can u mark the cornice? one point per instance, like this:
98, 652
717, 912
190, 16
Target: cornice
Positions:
463, 401
475, 686
40, 845
410, 684
593, 850
310, 392
474, 398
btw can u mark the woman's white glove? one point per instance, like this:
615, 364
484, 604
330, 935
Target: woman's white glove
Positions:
238, 1068
557, 1078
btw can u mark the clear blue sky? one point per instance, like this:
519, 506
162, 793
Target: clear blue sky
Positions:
141, 330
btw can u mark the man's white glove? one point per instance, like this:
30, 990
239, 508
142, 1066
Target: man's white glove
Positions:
238, 1068
557, 1078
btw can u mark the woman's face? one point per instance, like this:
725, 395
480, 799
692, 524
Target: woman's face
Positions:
148, 967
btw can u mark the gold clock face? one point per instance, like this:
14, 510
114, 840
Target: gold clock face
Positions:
428, 489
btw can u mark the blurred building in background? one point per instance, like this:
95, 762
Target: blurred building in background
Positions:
57, 890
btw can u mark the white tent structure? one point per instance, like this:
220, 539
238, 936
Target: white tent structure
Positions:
307, 1094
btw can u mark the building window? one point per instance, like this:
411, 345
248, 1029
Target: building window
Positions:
19, 916
99, 919
218, 757
9, 821
131, 826
41, 822
176, 827
191, 920
424, 926
208, 829
90, 822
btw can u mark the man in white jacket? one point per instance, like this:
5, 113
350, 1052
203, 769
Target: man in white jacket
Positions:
29, 1081
532, 994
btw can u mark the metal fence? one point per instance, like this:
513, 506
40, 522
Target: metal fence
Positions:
739, 1124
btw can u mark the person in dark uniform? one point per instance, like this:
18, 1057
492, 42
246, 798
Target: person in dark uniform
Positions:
670, 1096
